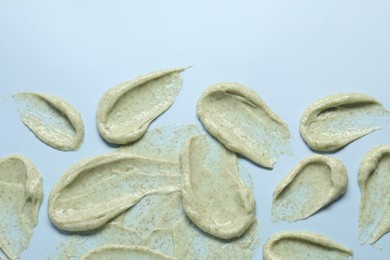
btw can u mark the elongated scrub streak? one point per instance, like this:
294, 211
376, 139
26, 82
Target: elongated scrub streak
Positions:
240, 119
20, 198
298, 245
374, 181
53, 120
314, 183
214, 196
126, 110
98, 189
125, 252
334, 121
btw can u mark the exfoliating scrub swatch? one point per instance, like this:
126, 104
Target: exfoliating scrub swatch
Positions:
314, 183
149, 223
214, 196
53, 120
158, 221
297, 245
177, 192
334, 121
126, 110
125, 252
374, 181
241, 120
98, 189
20, 198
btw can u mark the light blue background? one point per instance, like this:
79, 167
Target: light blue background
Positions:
290, 52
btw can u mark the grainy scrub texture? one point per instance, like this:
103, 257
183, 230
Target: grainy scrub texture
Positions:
53, 120
126, 110
240, 119
295, 245
125, 252
374, 181
20, 198
334, 121
148, 219
96, 190
214, 196
314, 183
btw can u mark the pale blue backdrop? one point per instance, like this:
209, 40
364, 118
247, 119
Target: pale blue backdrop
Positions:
290, 52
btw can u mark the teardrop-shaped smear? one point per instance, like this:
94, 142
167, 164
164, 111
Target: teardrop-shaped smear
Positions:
374, 181
240, 119
126, 110
20, 198
314, 183
95, 190
295, 245
125, 252
214, 196
334, 121
54, 121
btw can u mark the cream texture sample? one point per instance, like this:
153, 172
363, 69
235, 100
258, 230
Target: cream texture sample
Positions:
334, 121
126, 110
291, 245
314, 183
20, 198
98, 189
125, 252
53, 120
158, 220
374, 181
214, 196
240, 119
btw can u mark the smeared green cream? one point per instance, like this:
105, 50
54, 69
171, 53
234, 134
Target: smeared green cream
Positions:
334, 121
214, 196
53, 120
295, 245
125, 252
157, 220
20, 198
374, 181
126, 110
314, 183
241, 120
96, 190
